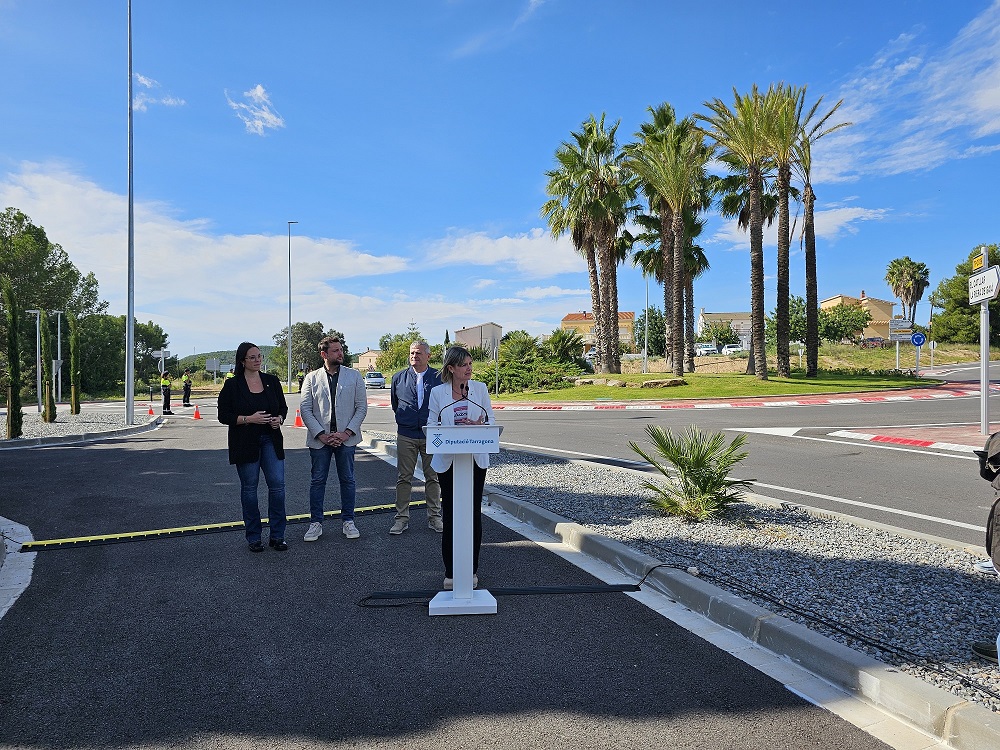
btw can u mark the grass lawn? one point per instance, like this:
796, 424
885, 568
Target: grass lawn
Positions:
731, 385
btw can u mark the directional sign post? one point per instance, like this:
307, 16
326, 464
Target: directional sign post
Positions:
983, 287
918, 340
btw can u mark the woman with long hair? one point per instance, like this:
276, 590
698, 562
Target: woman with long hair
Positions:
459, 400
253, 405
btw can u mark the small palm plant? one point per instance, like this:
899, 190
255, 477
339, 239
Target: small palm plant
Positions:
698, 488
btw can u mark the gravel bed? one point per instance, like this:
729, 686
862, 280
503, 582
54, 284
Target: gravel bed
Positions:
907, 602
67, 425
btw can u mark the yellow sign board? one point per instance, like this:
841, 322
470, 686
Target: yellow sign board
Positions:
978, 262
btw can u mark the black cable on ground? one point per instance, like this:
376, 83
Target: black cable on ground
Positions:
392, 597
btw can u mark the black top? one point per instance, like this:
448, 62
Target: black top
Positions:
235, 401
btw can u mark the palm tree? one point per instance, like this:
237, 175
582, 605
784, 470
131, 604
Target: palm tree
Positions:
809, 134
908, 280
593, 196
782, 135
662, 119
650, 258
565, 345
675, 166
740, 134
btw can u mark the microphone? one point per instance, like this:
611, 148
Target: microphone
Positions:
465, 395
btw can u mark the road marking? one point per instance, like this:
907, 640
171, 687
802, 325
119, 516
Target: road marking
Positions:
872, 506
860, 444
544, 449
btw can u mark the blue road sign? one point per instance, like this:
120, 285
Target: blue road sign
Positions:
918, 339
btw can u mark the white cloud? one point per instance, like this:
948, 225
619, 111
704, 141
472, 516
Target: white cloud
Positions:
496, 38
142, 100
533, 254
548, 292
830, 224
914, 108
256, 111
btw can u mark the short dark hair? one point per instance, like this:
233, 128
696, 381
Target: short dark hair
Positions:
325, 342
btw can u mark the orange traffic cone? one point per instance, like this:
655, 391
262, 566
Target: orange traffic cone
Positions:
151, 412
197, 414
298, 419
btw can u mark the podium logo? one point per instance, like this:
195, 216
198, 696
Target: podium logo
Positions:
437, 442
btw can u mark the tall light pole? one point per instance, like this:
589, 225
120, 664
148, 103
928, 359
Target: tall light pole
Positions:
645, 330
290, 304
38, 355
57, 371
130, 317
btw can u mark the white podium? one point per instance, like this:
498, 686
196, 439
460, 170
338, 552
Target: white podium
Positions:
462, 441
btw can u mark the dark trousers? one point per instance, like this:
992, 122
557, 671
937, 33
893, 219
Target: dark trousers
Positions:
187, 394
165, 390
447, 480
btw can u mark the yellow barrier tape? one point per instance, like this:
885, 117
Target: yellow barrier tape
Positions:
78, 541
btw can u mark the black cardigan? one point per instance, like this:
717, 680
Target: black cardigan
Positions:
234, 402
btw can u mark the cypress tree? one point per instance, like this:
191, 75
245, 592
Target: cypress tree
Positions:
49, 401
15, 417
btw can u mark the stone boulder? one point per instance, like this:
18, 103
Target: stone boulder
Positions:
670, 383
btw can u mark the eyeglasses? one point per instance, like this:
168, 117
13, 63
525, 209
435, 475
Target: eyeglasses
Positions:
254, 358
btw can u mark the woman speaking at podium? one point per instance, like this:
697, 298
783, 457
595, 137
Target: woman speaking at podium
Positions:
459, 400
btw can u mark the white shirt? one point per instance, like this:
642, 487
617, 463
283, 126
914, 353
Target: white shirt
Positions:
420, 388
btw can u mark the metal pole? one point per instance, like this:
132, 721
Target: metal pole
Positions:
984, 367
57, 375
38, 355
130, 316
290, 304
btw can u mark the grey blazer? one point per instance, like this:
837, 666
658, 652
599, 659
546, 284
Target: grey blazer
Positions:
316, 404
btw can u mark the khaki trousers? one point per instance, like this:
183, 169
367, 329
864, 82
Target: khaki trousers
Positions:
407, 450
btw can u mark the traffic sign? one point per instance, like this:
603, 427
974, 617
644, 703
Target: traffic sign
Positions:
900, 329
984, 286
918, 339
978, 262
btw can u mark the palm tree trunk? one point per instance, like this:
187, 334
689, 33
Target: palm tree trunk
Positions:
755, 180
812, 295
595, 292
604, 252
677, 351
781, 309
611, 283
667, 250
689, 322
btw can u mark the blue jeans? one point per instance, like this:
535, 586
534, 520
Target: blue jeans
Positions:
344, 456
274, 475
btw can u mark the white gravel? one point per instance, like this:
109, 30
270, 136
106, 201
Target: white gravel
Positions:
67, 425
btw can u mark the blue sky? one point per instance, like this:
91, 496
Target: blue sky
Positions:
409, 139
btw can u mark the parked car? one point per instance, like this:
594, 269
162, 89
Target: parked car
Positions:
733, 349
705, 349
875, 342
374, 379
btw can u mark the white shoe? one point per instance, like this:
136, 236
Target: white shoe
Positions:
314, 532
986, 566
399, 526
449, 584
350, 530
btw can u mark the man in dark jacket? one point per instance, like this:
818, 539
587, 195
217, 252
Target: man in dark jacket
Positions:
410, 396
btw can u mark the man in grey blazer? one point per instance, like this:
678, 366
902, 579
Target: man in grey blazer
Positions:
333, 406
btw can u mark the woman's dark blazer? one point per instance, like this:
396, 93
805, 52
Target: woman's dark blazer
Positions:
234, 402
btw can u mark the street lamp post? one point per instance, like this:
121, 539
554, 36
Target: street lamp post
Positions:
290, 304
645, 330
57, 371
38, 355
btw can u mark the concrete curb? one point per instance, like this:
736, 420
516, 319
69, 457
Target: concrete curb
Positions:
86, 437
956, 722
15, 568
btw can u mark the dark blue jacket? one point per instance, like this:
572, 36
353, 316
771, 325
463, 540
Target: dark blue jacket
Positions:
403, 397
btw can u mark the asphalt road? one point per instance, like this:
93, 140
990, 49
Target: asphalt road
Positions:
195, 642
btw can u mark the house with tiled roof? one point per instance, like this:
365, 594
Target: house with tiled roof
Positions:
879, 309
583, 323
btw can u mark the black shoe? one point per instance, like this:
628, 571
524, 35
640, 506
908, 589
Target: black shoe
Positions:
985, 649
257, 546
170, 413
279, 545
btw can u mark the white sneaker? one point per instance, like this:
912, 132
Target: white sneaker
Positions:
399, 526
350, 530
986, 566
314, 532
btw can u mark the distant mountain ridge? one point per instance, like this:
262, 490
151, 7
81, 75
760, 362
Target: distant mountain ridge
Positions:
225, 357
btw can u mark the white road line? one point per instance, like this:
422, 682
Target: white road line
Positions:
544, 449
883, 508
863, 444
